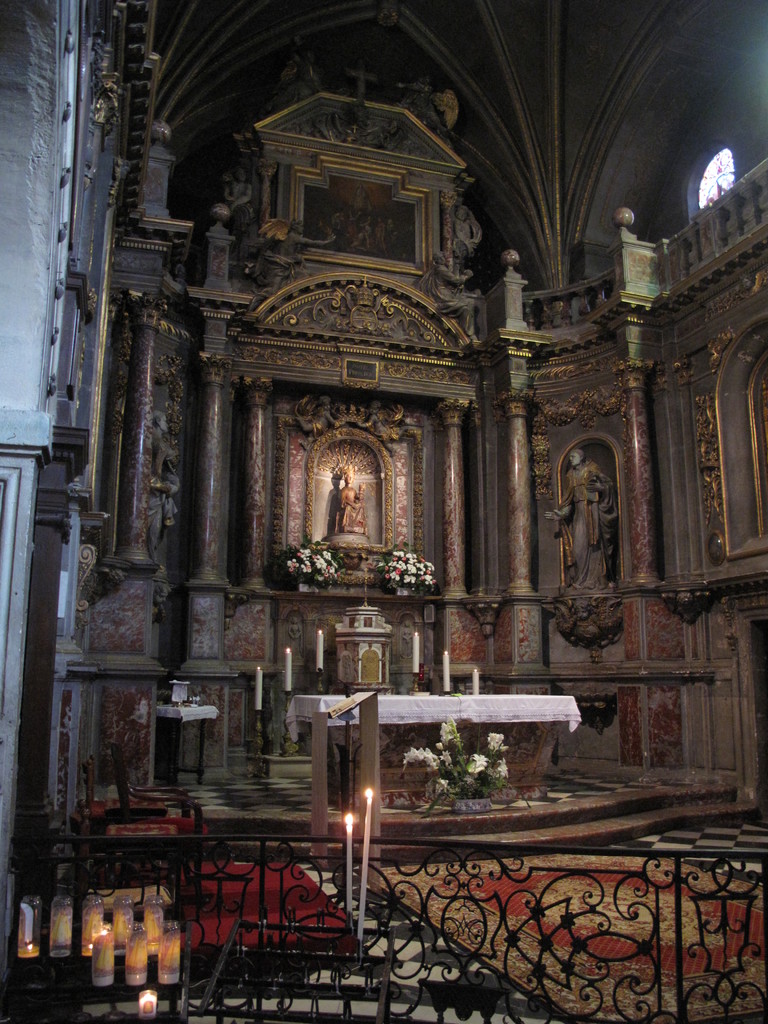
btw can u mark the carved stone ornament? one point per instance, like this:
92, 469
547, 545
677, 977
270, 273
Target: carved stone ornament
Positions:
590, 622
362, 308
486, 613
93, 582
597, 710
317, 414
688, 604
717, 347
161, 588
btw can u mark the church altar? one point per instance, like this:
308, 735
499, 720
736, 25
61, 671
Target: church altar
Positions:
529, 723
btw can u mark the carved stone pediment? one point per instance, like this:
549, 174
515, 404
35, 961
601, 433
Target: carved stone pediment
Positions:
363, 307
338, 124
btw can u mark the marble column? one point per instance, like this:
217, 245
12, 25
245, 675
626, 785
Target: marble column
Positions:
254, 508
514, 408
447, 203
639, 470
267, 170
450, 414
207, 519
136, 451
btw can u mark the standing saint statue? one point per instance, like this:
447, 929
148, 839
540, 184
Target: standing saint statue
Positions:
164, 484
589, 521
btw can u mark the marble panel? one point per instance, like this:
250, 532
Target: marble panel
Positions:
503, 635
125, 718
117, 623
528, 634
664, 632
402, 532
245, 634
236, 718
665, 726
295, 475
632, 630
630, 715
215, 730
204, 626
467, 641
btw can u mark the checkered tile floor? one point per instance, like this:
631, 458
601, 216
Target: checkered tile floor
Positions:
236, 792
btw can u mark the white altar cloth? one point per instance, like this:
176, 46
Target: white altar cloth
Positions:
187, 712
402, 709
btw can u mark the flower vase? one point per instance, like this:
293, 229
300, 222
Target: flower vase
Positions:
402, 591
473, 805
307, 588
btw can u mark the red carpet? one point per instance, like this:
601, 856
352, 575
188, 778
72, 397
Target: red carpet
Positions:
591, 937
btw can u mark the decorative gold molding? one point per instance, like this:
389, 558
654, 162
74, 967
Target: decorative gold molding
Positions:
278, 505
451, 412
424, 371
255, 390
717, 347
683, 370
542, 459
214, 369
709, 455
169, 373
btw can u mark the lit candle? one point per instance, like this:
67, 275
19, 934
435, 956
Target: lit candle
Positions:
349, 821
259, 688
147, 1004
475, 683
136, 956
446, 672
319, 651
103, 963
60, 935
28, 944
415, 666
122, 921
288, 660
364, 869
153, 922
168, 962
92, 920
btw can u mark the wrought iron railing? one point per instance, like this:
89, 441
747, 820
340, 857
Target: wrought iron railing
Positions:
524, 933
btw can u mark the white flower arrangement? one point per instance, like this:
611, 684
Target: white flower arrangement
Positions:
460, 777
403, 569
312, 563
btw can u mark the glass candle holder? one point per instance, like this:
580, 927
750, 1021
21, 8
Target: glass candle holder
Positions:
147, 1004
103, 962
136, 956
92, 920
30, 912
153, 922
60, 933
122, 921
169, 958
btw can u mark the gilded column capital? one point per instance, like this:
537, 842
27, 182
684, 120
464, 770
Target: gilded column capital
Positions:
448, 199
146, 310
451, 412
512, 403
255, 390
214, 369
633, 374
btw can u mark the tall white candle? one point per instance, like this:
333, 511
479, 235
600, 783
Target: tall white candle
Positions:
349, 821
475, 683
446, 672
319, 651
259, 699
415, 652
364, 868
288, 660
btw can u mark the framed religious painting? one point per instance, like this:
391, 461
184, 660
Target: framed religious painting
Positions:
372, 221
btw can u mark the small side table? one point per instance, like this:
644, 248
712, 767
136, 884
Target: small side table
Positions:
176, 716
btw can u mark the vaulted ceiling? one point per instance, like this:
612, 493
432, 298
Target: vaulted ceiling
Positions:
567, 110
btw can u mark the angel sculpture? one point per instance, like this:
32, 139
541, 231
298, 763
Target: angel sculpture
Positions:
437, 110
280, 258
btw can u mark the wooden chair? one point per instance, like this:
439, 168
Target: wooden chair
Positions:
145, 804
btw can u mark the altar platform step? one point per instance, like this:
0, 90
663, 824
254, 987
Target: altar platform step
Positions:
578, 810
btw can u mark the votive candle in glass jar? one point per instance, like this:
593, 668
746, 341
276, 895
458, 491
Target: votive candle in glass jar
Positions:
136, 956
92, 920
103, 962
122, 921
60, 933
169, 959
153, 922
30, 910
147, 1004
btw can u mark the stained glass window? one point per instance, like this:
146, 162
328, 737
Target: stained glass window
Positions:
718, 178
